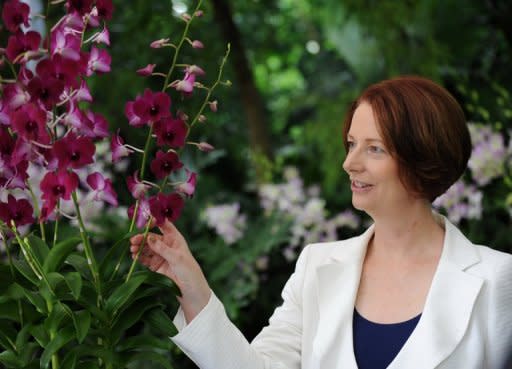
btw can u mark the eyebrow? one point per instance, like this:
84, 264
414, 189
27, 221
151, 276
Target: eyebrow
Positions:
367, 139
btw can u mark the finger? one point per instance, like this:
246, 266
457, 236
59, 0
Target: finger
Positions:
161, 249
136, 239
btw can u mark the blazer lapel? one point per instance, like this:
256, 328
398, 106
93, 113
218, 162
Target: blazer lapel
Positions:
448, 308
338, 282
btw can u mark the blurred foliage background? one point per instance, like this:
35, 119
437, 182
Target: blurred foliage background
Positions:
295, 65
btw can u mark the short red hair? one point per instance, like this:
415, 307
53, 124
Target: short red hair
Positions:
423, 127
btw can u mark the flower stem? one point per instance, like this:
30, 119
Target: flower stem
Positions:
38, 211
215, 84
87, 247
134, 262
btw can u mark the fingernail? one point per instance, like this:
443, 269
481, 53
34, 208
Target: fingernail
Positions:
151, 239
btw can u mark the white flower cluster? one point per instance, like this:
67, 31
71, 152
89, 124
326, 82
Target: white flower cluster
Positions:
226, 220
489, 154
461, 201
305, 209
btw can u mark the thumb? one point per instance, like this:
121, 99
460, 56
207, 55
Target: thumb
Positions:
158, 247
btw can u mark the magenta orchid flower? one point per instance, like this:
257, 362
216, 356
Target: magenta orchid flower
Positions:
55, 186
105, 9
82, 7
29, 121
195, 70
164, 207
189, 187
147, 70
15, 96
165, 163
47, 91
102, 188
15, 14
67, 45
5, 114
103, 37
118, 148
21, 43
73, 151
17, 211
13, 174
170, 131
143, 213
136, 187
186, 85
152, 106
99, 61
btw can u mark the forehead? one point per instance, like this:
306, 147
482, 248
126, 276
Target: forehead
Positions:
363, 123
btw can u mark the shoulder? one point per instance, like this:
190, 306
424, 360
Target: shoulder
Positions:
495, 265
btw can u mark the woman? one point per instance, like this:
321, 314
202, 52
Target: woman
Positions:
410, 292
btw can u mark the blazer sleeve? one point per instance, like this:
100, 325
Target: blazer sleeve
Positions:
212, 341
500, 316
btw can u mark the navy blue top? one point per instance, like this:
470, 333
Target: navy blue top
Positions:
377, 344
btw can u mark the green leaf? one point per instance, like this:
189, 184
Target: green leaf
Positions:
7, 335
161, 322
9, 310
122, 293
23, 267
65, 335
53, 321
142, 357
37, 300
145, 342
82, 322
14, 292
10, 359
39, 248
79, 263
114, 253
74, 282
40, 334
22, 338
59, 253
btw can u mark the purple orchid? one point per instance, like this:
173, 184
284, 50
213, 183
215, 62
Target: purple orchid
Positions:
14, 14
102, 188
165, 163
170, 131
17, 211
164, 207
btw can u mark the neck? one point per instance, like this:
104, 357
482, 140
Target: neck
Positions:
410, 232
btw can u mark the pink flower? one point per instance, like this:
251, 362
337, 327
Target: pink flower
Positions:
21, 43
5, 114
143, 213
213, 105
186, 85
59, 68
103, 37
118, 149
195, 70
81, 6
73, 151
196, 44
165, 163
166, 207
67, 45
152, 106
170, 131
15, 96
133, 118
17, 211
205, 146
157, 44
147, 70
99, 61
136, 187
105, 9
102, 188
83, 93
189, 187
55, 186
29, 122
13, 174
14, 14
47, 91
96, 126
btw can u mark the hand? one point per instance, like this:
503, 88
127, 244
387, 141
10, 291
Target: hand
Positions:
169, 254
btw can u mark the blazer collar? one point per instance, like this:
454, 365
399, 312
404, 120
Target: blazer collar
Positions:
444, 319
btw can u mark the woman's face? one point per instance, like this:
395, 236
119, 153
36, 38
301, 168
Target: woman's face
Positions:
376, 187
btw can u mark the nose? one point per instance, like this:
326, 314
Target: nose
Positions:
353, 162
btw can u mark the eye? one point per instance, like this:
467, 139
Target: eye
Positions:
376, 149
350, 145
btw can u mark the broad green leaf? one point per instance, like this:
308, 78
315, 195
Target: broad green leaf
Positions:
37, 300
142, 357
40, 334
10, 359
39, 248
9, 310
130, 316
28, 356
14, 292
23, 267
85, 352
161, 322
145, 342
79, 263
59, 253
65, 335
53, 321
70, 360
114, 253
7, 335
122, 294
82, 322
22, 338
74, 282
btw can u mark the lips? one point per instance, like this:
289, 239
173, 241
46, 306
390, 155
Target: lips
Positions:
359, 184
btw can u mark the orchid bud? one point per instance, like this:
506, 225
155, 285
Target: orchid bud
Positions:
196, 44
146, 71
205, 146
201, 118
213, 106
186, 17
157, 44
199, 13
181, 115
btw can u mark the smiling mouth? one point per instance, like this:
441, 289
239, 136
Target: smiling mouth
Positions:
360, 185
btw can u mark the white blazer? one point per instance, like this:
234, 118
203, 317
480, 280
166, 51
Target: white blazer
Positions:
466, 322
